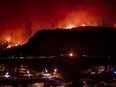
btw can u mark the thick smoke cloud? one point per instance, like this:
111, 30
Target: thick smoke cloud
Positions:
19, 19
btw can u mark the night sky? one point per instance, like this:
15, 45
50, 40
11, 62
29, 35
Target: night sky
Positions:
20, 19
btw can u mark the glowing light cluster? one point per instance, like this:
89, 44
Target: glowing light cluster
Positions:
7, 75
8, 39
80, 18
71, 54
12, 43
70, 26
83, 25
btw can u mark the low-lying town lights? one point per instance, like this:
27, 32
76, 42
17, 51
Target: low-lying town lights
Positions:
7, 75
28, 72
46, 71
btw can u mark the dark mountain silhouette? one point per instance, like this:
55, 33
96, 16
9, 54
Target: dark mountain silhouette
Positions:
81, 40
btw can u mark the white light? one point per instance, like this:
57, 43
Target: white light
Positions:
28, 72
7, 75
47, 74
46, 71
71, 54
55, 70
70, 26
114, 72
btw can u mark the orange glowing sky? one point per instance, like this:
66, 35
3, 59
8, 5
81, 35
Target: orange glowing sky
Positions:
20, 19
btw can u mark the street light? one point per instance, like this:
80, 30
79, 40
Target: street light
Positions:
71, 54
114, 72
55, 74
55, 70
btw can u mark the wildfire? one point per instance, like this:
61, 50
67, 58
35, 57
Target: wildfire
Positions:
8, 39
9, 46
73, 26
11, 43
81, 18
70, 26
83, 25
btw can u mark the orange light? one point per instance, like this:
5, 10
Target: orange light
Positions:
12, 44
83, 25
8, 39
115, 25
9, 46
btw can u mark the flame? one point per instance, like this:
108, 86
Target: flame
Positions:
12, 39
12, 43
83, 25
80, 18
9, 46
70, 26
8, 39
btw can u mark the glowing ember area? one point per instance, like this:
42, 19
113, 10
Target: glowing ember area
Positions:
8, 39
83, 25
70, 26
80, 18
11, 43
115, 25
20, 21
